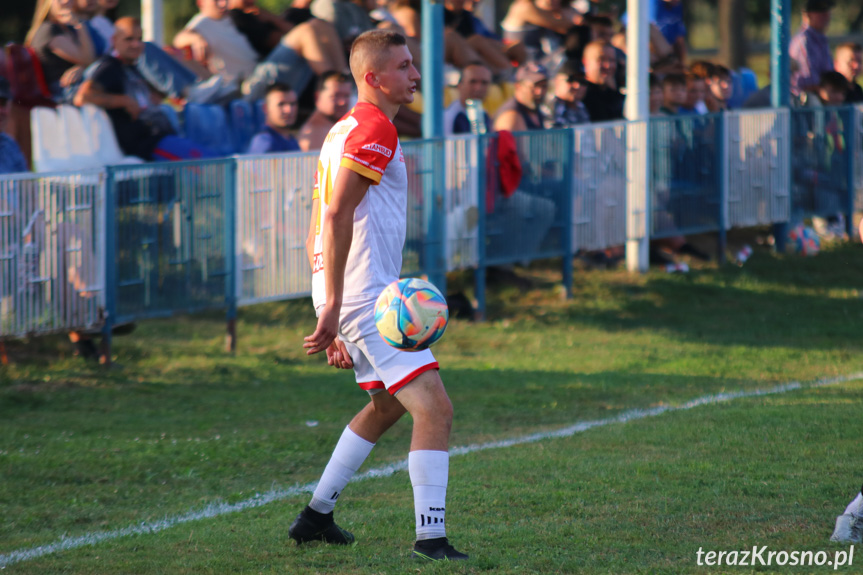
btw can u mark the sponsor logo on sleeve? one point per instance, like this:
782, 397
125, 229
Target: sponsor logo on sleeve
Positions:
382, 150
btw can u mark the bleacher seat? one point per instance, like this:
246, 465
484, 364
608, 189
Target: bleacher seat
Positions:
172, 116
744, 83
78, 138
207, 125
102, 138
244, 124
50, 147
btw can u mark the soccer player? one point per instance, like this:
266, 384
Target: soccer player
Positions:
849, 525
355, 249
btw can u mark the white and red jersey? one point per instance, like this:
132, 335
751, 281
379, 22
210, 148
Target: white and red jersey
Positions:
366, 142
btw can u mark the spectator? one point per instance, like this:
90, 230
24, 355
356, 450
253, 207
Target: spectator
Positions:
11, 159
655, 94
810, 46
567, 107
721, 87
214, 41
668, 17
522, 112
115, 84
262, 28
762, 98
696, 95
85, 10
832, 89
538, 25
603, 100
280, 106
62, 44
103, 19
674, 94
350, 18
847, 61
332, 101
465, 24
473, 84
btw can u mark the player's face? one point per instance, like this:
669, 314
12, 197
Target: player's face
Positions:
334, 99
281, 109
398, 78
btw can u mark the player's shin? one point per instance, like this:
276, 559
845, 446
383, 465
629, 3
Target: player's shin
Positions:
349, 454
429, 471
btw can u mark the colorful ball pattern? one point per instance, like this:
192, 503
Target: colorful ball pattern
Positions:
804, 240
411, 314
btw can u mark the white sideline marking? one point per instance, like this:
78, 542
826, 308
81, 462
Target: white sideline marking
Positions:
216, 509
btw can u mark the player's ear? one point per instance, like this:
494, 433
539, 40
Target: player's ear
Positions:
372, 80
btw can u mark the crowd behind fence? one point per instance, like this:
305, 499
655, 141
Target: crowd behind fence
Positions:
90, 250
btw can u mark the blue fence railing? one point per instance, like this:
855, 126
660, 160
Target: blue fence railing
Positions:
90, 250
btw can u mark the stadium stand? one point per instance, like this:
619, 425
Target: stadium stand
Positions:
207, 125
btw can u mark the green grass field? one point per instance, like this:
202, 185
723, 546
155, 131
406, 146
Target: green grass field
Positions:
181, 425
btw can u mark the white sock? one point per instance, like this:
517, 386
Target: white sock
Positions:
855, 507
429, 471
349, 454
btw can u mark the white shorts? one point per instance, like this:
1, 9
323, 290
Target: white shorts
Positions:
378, 365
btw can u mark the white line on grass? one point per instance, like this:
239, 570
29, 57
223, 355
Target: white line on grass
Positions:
216, 509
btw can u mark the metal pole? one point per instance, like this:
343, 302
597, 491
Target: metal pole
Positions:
638, 137
432, 68
153, 21
780, 84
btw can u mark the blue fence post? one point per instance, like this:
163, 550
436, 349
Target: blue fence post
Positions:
479, 276
110, 312
434, 253
230, 223
568, 252
850, 133
722, 177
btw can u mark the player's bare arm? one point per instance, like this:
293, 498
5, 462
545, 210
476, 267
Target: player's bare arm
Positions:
337, 234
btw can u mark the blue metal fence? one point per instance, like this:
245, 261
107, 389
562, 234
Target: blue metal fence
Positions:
79, 251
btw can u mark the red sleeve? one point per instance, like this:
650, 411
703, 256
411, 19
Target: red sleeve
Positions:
370, 146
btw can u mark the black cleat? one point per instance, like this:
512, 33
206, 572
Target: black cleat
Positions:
311, 525
437, 550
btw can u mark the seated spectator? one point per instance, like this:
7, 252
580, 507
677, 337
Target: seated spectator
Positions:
810, 46
85, 10
472, 85
674, 95
114, 84
102, 20
280, 107
522, 112
332, 101
213, 39
655, 97
602, 29
762, 98
490, 50
721, 87
262, 28
350, 18
62, 44
603, 99
567, 107
11, 159
696, 94
832, 89
847, 61
668, 17
539, 25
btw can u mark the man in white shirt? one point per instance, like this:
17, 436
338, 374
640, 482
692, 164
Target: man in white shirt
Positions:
473, 84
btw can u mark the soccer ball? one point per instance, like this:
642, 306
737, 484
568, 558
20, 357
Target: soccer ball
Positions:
411, 314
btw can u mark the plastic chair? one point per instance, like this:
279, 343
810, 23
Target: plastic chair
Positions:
207, 126
103, 141
172, 116
79, 142
50, 147
244, 124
